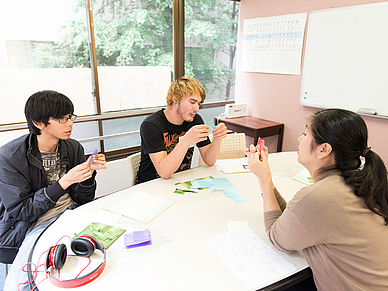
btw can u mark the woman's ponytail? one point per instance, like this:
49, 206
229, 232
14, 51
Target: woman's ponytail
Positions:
347, 134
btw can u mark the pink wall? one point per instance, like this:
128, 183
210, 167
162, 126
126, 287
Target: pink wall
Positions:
275, 96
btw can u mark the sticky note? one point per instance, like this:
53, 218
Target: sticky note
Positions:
137, 238
188, 184
220, 184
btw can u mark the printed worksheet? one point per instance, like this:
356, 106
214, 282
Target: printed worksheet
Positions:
250, 259
273, 44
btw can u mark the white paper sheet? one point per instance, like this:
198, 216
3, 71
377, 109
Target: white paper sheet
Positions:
235, 226
250, 259
284, 170
230, 166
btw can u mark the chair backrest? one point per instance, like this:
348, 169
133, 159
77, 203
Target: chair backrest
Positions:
232, 147
114, 178
134, 163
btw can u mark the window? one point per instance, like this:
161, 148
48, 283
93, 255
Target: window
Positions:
39, 55
210, 45
115, 63
134, 53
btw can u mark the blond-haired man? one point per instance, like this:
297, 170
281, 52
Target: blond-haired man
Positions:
167, 135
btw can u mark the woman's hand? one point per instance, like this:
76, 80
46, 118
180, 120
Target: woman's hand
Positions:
258, 164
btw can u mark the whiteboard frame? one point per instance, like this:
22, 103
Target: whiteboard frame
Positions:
318, 54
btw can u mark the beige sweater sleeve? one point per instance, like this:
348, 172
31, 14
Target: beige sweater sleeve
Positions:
282, 203
271, 216
284, 229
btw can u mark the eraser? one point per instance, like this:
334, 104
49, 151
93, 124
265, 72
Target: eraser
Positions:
369, 111
137, 238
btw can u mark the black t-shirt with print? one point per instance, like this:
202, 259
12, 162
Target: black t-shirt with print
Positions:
158, 134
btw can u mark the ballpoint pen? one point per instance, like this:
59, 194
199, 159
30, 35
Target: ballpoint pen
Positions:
260, 147
91, 156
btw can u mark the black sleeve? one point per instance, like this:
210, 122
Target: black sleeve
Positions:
151, 138
82, 192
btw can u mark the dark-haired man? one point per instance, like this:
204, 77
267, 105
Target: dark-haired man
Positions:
43, 174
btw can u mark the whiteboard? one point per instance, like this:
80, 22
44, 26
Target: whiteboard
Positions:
346, 59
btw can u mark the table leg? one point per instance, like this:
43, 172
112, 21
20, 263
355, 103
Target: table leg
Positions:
256, 138
280, 139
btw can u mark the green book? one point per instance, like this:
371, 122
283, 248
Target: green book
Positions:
105, 234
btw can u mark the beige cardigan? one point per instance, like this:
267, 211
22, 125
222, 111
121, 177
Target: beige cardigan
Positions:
345, 243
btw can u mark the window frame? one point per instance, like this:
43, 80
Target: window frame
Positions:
179, 70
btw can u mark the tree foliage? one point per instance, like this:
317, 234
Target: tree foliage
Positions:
140, 33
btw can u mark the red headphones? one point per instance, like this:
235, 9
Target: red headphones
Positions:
83, 246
